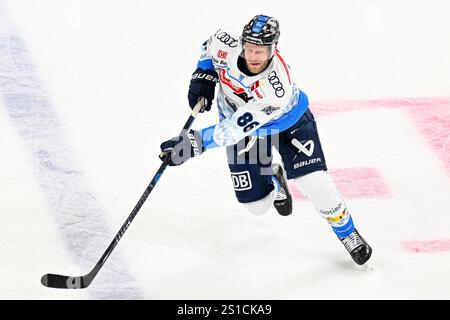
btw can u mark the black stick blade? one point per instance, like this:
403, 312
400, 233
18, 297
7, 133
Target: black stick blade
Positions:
63, 282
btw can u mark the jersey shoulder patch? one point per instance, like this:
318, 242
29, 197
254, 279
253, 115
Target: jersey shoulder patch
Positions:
225, 38
223, 46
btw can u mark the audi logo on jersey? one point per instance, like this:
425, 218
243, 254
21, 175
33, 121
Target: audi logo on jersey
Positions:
276, 84
226, 39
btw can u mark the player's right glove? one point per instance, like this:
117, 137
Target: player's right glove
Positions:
181, 148
203, 84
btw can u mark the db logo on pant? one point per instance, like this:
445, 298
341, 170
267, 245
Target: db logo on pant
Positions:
241, 181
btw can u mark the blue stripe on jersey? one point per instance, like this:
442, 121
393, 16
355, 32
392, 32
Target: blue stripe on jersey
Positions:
206, 64
207, 135
287, 120
276, 126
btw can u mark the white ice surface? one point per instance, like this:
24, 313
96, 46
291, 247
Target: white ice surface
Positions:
117, 73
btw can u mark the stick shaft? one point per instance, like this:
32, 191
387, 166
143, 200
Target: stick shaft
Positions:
84, 281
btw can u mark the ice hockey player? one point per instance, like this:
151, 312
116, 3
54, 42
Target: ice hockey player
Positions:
259, 107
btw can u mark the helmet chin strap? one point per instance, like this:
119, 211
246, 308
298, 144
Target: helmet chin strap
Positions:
272, 49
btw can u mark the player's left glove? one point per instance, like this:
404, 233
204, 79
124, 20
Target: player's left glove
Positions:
203, 84
182, 148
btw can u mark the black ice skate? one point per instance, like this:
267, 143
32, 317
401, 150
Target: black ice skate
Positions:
283, 199
358, 248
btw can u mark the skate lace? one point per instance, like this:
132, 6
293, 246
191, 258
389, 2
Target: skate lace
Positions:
352, 241
281, 195
248, 146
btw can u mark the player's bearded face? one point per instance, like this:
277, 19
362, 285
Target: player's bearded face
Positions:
257, 56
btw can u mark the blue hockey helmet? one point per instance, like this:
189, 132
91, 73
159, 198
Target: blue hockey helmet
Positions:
262, 30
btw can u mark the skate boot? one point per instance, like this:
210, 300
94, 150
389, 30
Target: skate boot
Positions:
358, 248
283, 199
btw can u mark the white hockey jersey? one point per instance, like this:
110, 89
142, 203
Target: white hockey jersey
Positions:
247, 103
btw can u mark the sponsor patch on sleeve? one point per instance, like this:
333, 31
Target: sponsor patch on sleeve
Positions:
222, 54
257, 91
269, 110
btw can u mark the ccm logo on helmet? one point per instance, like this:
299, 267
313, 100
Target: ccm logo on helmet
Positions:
276, 84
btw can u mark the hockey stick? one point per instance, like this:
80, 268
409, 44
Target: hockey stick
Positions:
80, 282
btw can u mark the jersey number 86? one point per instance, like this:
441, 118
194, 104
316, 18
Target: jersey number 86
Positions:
246, 121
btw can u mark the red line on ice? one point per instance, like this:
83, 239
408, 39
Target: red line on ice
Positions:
427, 246
431, 117
353, 183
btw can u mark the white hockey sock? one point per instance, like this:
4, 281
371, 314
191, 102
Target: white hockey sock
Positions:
321, 190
